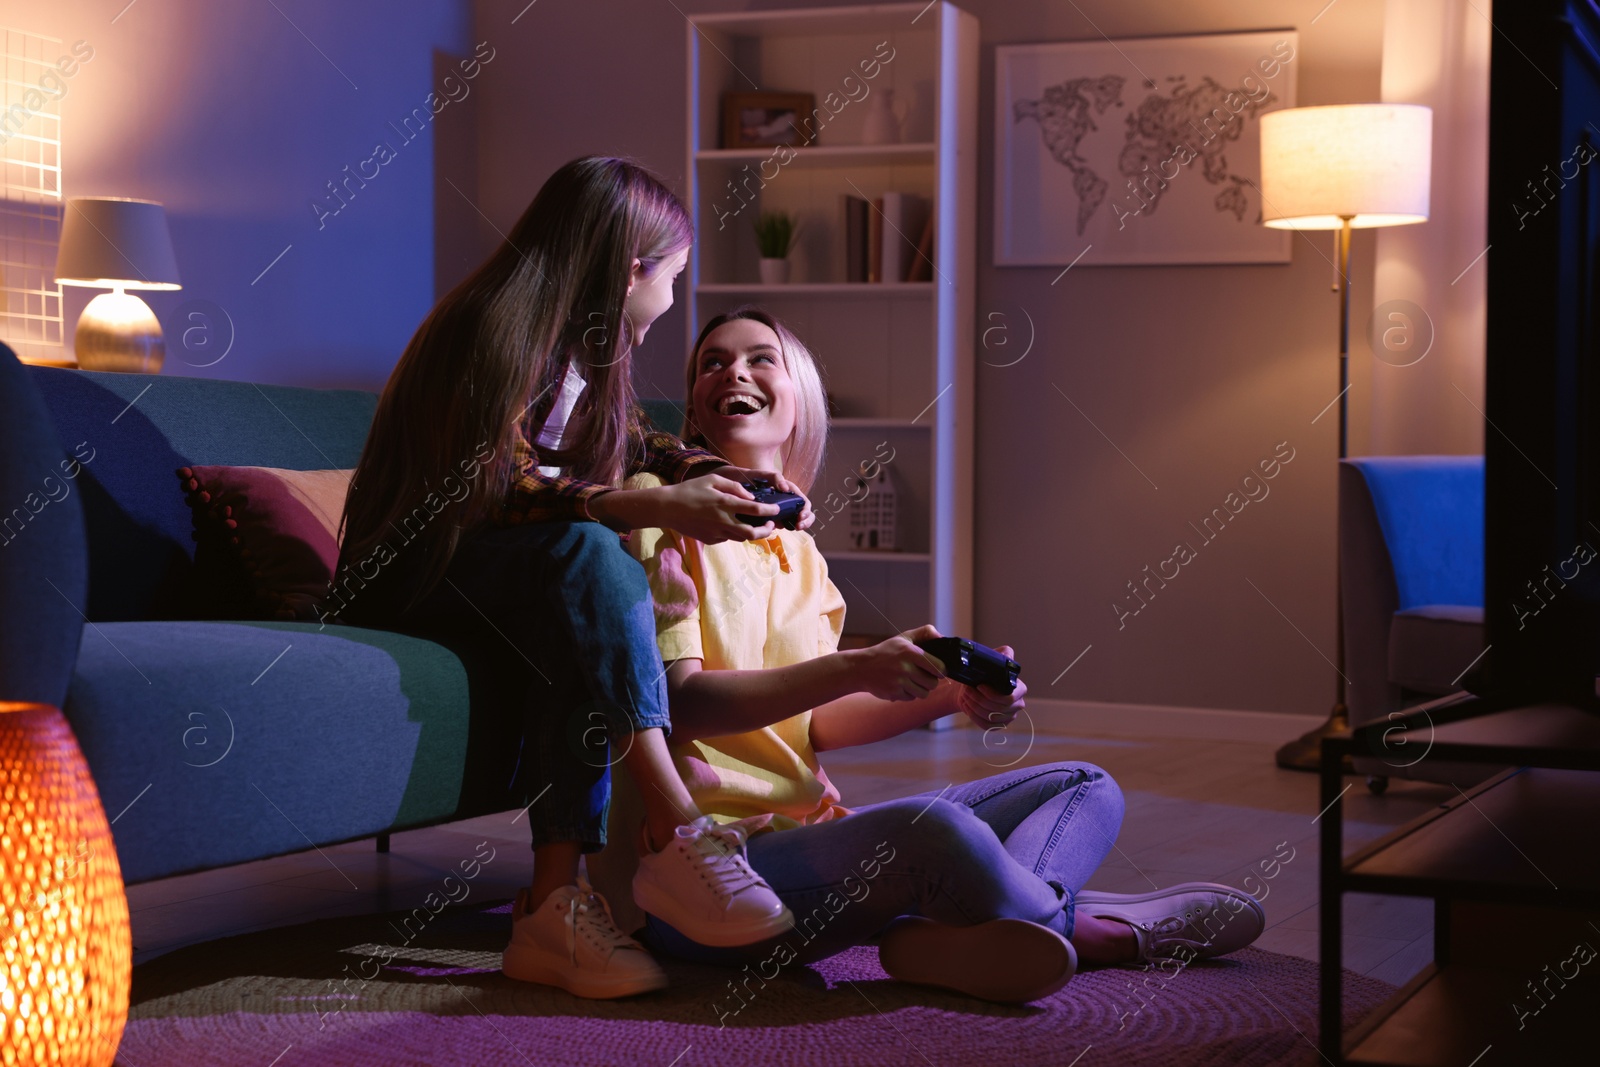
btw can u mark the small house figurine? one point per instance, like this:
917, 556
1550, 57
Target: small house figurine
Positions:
873, 517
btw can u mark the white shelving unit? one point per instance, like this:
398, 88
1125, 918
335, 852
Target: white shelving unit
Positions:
898, 355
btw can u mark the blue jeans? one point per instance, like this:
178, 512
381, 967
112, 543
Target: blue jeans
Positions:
556, 626
1016, 845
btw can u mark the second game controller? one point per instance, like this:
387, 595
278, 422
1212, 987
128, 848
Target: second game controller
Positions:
973, 664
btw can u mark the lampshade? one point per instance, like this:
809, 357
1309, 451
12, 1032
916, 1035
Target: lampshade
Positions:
113, 243
1369, 161
65, 950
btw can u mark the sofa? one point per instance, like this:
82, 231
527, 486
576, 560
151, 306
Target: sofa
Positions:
1411, 573
214, 741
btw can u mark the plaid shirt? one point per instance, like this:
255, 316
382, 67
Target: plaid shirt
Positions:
536, 497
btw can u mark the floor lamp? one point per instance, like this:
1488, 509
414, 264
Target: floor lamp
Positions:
1343, 167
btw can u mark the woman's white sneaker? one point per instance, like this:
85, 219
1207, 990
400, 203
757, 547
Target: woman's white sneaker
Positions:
570, 941
1011, 961
1190, 921
703, 886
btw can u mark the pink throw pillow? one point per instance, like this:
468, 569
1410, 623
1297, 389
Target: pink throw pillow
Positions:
276, 530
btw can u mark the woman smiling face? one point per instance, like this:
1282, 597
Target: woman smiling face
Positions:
743, 398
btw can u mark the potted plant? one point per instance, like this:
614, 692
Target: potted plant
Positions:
775, 236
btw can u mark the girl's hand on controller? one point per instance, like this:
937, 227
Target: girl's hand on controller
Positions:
778, 481
707, 508
987, 707
897, 669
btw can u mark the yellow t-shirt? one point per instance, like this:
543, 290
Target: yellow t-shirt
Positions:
746, 605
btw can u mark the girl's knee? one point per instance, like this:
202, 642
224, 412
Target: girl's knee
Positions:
596, 551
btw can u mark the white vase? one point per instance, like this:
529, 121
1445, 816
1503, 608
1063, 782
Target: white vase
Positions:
882, 124
774, 271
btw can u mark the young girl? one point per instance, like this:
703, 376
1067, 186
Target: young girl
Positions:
514, 400
975, 887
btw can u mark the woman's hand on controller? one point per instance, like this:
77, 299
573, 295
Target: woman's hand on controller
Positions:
897, 669
707, 508
987, 707
777, 481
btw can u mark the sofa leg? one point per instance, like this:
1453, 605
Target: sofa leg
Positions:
1377, 783
383, 842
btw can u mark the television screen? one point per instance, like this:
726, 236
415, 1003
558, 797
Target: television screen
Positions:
1542, 389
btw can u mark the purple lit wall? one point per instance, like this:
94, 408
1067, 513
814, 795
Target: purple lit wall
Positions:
237, 116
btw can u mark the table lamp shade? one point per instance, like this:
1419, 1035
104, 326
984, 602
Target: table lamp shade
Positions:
65, 949
1371, 162
112, 243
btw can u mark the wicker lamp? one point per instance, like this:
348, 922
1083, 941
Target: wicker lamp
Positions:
65, 947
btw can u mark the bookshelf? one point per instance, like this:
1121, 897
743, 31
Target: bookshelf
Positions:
898, 355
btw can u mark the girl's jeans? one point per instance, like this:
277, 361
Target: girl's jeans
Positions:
1017, 845
556, 625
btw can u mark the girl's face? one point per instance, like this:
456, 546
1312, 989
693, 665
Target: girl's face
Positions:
743, 397
651, 294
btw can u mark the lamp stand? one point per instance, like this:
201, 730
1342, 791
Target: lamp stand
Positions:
119, 332
1304, 753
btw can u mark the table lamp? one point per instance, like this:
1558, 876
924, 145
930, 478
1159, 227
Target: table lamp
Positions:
1343, 167
117, 244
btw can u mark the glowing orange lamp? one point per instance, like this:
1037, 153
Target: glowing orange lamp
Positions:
66, 954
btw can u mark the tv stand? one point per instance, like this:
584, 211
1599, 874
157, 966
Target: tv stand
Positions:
1513, 868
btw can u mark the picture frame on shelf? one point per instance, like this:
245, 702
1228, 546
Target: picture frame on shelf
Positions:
761, 119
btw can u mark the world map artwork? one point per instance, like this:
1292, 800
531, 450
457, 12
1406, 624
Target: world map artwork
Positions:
1188, 128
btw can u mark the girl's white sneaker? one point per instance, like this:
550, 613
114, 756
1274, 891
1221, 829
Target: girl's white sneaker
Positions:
570, 941
703, 886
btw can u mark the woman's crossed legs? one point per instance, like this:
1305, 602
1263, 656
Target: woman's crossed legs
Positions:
1016, 845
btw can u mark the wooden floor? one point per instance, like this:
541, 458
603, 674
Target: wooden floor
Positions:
1204, 802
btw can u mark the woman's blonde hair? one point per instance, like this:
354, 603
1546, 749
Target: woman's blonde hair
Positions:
803, 452
497, 344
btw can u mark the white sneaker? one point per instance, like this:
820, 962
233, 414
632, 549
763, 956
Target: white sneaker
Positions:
1198, 920
704, 887
1011, 961
572, 942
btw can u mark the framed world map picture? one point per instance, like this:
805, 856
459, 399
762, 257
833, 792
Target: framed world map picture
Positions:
1137, 151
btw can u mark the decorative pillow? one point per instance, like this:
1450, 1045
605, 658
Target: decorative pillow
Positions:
266, 539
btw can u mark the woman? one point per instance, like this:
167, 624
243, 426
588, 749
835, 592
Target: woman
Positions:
976, 887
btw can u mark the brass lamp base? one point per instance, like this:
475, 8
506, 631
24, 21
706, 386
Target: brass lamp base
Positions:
1304, 753
119, 332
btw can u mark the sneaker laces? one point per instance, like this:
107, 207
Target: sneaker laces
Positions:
589, 914
1161, 938
718, 851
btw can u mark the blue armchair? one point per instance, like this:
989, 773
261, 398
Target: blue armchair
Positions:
1411, 571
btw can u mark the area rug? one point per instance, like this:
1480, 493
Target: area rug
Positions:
393, 989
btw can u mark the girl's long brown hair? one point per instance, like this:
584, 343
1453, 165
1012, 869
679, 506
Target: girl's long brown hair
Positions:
497, 344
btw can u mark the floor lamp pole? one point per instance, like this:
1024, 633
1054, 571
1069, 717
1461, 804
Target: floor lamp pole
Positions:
1304, 753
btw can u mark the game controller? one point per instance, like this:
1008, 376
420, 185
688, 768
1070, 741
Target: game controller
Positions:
973, 664
790, 505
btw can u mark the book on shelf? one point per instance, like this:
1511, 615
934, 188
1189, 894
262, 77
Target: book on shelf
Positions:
888, 239
904, 217
922, 263
875, 241
856, 211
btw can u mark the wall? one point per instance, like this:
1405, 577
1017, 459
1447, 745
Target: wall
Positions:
1192, 373
236, 116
